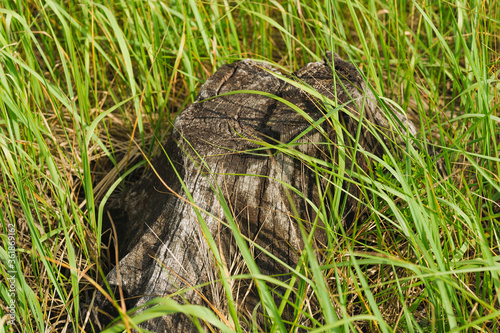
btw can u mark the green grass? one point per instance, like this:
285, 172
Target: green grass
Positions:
79, 80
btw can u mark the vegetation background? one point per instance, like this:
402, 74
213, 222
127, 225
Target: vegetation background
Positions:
84, 83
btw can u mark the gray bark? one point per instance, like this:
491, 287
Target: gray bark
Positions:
216, 141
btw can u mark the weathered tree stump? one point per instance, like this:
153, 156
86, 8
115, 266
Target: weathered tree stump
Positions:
219, 140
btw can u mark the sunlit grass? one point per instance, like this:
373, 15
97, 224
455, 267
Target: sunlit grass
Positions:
79, 80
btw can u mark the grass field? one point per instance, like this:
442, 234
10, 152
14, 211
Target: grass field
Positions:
81, 82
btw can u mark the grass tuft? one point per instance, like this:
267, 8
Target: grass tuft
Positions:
82, 81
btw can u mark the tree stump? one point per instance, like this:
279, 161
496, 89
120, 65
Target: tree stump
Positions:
233, 141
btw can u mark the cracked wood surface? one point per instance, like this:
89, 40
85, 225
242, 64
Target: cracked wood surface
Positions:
219, 140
